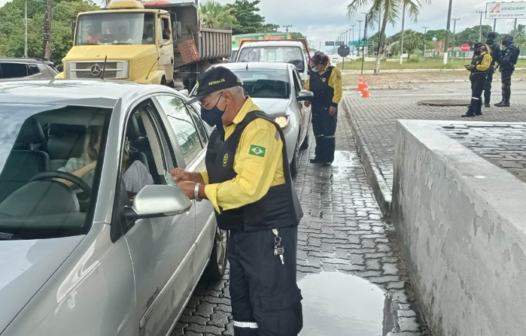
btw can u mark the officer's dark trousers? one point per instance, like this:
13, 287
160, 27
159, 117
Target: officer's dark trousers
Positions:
506, 84
477, 86
487, 86
265, 298
324, 128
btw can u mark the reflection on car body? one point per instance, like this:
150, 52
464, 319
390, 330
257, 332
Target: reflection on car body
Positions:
81, 255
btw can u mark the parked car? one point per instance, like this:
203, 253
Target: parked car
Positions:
26, 68
86, 259
288, 51
276, 88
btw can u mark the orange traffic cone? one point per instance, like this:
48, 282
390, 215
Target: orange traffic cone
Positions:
361, 85
365, 91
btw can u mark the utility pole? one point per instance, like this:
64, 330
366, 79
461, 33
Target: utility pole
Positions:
425, 41
446, 46
47, 31
287, 27
359, 32
454, 31
364, 38
480, 24
25, 35
514, 28
402, 37
353, 48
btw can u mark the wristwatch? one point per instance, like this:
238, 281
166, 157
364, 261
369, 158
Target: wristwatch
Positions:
196, 192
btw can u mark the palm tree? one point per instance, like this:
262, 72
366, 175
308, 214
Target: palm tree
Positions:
214, 15
389, 10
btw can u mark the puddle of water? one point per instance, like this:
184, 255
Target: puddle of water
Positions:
337, 304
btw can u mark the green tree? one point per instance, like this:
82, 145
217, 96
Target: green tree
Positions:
471, 35
388, 10
215, 15
248, 19
412, 41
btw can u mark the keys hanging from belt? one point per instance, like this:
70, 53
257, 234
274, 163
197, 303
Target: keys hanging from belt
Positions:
278, 249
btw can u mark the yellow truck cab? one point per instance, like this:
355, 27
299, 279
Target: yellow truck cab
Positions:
157, 44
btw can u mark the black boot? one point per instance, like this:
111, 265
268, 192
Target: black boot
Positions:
478, 108
471, 109
506, 93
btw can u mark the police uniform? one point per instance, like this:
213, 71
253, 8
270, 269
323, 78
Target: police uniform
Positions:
506, 67
481, 63
327, 89
249, 183
495, 56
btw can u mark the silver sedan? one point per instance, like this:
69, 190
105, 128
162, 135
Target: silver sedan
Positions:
276, 88
94, 237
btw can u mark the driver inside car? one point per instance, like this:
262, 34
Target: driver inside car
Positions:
135, 174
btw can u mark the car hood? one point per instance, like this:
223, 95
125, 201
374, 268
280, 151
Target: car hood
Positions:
25, 266
272, 106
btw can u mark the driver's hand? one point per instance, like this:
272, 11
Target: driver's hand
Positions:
92, 165
180, 175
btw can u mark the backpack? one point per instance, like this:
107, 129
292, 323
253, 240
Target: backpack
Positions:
496, 53
515, 56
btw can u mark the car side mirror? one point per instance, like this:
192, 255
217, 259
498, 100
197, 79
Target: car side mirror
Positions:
158, 201
305, 95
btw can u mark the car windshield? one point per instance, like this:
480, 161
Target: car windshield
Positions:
265, 83
292, 55
49, 159
116, 28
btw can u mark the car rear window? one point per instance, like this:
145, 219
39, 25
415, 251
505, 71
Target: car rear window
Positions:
13, 70
292, 55
265, 83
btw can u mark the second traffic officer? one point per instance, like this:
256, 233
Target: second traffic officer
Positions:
248, 181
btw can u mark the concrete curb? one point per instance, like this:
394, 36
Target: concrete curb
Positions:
380, 189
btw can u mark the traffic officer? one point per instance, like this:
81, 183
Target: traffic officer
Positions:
325, 81
248, 181
479, 67
507, 63
495, 55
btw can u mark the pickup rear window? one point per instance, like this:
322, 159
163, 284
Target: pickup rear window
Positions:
292, 55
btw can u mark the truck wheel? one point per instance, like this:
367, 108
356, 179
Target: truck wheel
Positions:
163, 82
218, 259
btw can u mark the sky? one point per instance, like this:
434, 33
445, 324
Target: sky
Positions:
325, 20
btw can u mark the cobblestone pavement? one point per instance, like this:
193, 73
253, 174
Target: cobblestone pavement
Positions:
376, 117
348, 267
503, 145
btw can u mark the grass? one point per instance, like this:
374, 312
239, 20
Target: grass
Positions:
414, 63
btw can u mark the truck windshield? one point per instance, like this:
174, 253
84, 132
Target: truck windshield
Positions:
116, 28
292, 55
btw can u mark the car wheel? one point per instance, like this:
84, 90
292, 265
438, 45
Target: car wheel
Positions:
218, 259
294, 165
305, 143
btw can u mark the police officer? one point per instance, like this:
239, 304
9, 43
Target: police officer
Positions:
495, 55
506, 67
479, 68
325, 81
248, 181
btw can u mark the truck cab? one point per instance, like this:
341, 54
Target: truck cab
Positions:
147, 44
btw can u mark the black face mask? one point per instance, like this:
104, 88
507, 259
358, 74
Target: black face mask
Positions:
213, 117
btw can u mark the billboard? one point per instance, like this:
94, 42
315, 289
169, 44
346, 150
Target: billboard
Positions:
329, 43
506, 10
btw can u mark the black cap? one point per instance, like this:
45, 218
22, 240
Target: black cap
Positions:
492, 35
215, 79
478, 45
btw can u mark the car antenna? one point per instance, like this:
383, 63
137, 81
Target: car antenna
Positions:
157, 60
104, 68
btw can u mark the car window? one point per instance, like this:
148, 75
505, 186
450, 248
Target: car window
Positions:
201, 129
265, 83
50, 162
297, 82
183, 126
13, 70
33, 69
292, 55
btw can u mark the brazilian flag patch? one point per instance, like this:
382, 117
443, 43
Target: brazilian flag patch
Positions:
257, 151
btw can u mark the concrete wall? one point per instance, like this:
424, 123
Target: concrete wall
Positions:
462, 222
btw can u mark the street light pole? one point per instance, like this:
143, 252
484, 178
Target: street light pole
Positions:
425, 41
446, 46
353, 48
359, 32
25, 35
480, 24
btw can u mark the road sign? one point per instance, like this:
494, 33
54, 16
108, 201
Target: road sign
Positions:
506, 10
343, 50
465, 47
329, 43
339, 43
362, 43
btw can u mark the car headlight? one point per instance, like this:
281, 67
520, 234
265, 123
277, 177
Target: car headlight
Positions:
283, 121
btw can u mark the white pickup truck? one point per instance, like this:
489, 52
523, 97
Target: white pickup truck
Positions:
294, 51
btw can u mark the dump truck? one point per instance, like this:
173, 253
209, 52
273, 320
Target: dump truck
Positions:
237, 40
150, 43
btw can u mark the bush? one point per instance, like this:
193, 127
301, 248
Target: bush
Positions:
415, 60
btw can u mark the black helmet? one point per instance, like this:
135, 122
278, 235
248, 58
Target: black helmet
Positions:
507, 40
478, 45
492, 36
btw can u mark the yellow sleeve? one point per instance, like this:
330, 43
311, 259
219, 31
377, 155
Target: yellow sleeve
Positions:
306, 86
257, 159
335, 81
485, 64
204, 175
